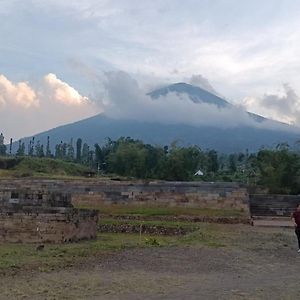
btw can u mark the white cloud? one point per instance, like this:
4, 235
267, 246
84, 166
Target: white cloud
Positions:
126, 100
20, 94
50, 104
243, 47
283, 106
62, 92
202, 82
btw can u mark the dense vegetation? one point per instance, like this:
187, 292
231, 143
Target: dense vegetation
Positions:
276, 169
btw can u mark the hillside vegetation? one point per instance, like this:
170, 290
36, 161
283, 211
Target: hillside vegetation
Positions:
39, 167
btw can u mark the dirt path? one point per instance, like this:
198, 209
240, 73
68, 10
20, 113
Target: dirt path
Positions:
179, 272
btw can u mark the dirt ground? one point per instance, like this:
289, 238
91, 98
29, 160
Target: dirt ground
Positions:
253, 263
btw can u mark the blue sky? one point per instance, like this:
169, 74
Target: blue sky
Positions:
247, 50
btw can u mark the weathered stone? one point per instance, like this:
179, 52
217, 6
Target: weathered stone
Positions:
273, 205
39, 217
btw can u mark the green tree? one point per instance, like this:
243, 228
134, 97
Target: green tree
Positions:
31, 147
279, 170
128, 158
21, 149
60, 150
70, 151
39, 149
2, 145
10, 146
181, 163
78, 149
213, 164
48, 149
232, 163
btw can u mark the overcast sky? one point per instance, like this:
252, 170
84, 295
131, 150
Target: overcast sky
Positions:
53, 54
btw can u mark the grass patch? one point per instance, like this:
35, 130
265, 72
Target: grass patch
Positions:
41, 167
167, 224
150, 211
16, 257
207, 235
22, 256
243, 237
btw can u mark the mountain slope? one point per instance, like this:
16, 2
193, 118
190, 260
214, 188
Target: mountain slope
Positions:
196, 94
96, 129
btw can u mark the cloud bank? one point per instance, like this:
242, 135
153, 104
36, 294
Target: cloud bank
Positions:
62, 92
283, 106
124, 99
240, 45
26, 110
20, 94
202, 82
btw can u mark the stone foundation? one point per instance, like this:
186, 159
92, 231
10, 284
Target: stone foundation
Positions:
166, 194
43, 217
273, 205
94, 192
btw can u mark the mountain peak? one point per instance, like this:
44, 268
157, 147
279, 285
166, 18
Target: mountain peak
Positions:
195, 93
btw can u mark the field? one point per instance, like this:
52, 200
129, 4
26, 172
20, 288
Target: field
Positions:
214, 262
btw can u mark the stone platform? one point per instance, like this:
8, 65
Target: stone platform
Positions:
94, 192
28, 216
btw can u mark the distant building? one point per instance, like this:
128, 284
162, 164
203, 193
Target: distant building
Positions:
199, 173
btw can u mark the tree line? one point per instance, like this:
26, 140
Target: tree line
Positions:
277, 169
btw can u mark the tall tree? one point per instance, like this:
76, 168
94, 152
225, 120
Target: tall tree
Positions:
31, 147
48, 150
2, 145
70, 151
10, 146
85, 154
213, 164
59, 150
78, 149
39, 149
21, 149
232, 163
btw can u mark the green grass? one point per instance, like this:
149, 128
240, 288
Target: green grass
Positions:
167, 224
22, 257
17, 257
43, 167
211, 235
150, 211
25, 256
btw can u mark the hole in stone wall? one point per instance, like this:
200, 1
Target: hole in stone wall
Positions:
14, 195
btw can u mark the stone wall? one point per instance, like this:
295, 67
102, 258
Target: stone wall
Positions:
273, 205
156, 193
36, 216
180, 194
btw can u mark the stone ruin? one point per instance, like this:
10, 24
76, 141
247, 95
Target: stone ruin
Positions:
28, 216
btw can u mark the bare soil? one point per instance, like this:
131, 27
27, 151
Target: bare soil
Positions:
256, 263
